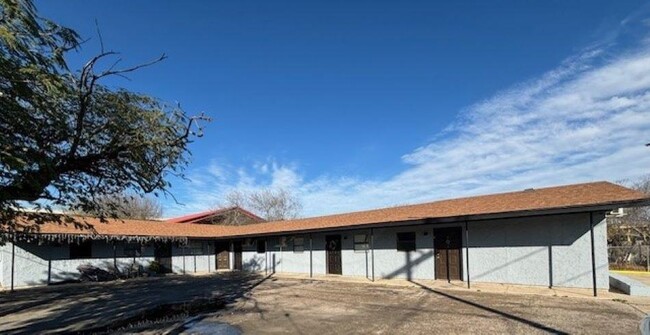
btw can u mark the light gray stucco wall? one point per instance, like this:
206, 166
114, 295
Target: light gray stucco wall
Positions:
319, 257
390, 263
185, 264
34, 263
354, 263
186, 259
251, 259
544, 250
294, 261
283, 258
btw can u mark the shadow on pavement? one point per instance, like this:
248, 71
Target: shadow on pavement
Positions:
81, 308
495, 311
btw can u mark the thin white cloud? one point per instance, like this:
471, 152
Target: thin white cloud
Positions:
587, 120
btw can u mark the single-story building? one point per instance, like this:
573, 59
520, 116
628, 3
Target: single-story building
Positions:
555, 237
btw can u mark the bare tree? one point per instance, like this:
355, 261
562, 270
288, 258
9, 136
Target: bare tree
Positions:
275, 205
271, 204
634, 226
236, 198
628, 235
128, 206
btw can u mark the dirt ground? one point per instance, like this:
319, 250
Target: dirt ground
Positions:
284, 305
294, 306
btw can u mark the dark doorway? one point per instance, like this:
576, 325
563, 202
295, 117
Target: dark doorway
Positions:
237, 248
333, 245
162, 253
448, 243
222, 250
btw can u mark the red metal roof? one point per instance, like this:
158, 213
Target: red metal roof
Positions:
191, 218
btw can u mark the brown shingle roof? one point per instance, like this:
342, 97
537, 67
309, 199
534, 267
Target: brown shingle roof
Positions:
567, 198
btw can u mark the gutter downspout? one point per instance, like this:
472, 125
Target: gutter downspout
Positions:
207, 246
49, 271
13, 260
114, 257
281, 244
593, 253
467, 253
266, 256
372, 252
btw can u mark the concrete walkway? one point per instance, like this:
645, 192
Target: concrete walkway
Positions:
642, 277
629, 285
78, 307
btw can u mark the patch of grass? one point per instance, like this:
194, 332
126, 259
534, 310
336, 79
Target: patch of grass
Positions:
627, 267
619, 300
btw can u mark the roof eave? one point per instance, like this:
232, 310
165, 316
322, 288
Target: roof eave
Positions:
605, 207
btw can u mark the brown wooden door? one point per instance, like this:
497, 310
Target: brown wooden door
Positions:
237, 248
222, 250
448, 243
333, 246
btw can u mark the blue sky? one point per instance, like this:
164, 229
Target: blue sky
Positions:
355, 105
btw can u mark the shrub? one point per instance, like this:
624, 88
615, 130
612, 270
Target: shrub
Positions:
156, 267
94, 274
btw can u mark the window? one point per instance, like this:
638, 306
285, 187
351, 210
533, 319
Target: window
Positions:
274, 242
133, 249
197, 248
361, 242
278, 242
406, 241
298, 244
261, 246
81, 249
